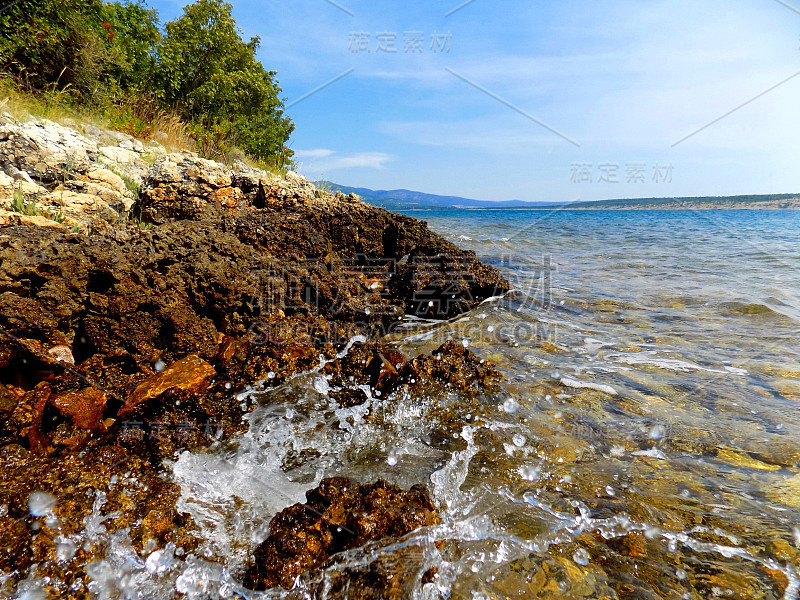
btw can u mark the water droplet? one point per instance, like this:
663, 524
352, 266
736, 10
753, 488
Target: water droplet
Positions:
53, 523
41, 503
160, 561
228, 386
519, 440
658, 432
581, 557
159, 366
609, 490
391, 460
529, 472
65, 550
465, 343
367, 311
680, 574
490, 329
271, 375
510, 405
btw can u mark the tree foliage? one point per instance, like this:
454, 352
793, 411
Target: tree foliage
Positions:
200, 66
207, 70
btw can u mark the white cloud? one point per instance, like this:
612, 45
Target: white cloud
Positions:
321, 161
313, 154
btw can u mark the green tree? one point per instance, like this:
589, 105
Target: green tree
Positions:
206, 70
134, 30
97, 49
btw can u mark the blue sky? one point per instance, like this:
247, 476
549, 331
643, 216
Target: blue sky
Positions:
538, 100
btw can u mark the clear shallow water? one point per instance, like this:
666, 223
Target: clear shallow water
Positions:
646, 445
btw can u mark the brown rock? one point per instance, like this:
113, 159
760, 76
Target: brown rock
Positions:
451, 364
84, 408
338, 515
191, 374
384, 369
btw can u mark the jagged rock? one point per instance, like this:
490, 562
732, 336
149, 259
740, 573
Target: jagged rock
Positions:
84, 408
87, 209
191, 375
451, 364
122, 156
338, 515
45, 150
9, 185
181, 187
244, 277
106, 185
9, 218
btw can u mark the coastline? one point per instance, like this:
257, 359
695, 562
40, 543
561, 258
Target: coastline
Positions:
144, 292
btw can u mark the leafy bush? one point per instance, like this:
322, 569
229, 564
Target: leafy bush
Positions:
97, 49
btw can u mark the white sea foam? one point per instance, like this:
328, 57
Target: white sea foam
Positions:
574, 383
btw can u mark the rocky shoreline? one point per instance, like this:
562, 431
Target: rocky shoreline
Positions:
141, 291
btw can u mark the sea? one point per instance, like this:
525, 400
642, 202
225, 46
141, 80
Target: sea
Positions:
645, 442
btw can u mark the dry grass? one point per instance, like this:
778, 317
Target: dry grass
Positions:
139, 117
142, 118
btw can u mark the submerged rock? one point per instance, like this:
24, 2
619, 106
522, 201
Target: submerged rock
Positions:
338, 515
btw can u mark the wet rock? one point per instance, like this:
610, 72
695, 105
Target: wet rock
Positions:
189, 375
84, 408
245, 277
384, 370
338, 515
134, 494
452, 365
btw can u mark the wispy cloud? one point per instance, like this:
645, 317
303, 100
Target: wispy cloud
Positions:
320, 161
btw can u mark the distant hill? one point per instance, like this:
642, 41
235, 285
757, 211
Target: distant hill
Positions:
751, 202
410, 200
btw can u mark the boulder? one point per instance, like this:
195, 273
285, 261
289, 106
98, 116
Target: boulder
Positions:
185, 187
45, 150
338, 515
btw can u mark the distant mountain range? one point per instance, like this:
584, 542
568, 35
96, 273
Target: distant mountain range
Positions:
410, 200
